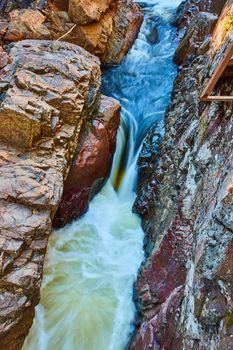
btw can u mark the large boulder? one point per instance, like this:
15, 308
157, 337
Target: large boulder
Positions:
48, 90
92, 162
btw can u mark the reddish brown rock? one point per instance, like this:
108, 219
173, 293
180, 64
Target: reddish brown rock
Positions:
135, 18
26, 24
158, 332
92, 162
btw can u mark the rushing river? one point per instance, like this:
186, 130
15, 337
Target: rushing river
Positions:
92, 264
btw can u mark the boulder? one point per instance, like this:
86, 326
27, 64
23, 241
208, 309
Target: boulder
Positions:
92, 162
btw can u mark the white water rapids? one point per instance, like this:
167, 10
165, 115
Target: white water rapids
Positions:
92, 264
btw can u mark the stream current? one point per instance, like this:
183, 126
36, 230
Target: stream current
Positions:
92, 264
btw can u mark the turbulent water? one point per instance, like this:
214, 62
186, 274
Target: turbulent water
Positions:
92, 264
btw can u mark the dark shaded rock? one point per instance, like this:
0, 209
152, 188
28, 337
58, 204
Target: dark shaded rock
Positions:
201, 26
188, 9
153, 36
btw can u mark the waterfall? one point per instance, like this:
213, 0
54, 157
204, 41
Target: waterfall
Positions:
92, 264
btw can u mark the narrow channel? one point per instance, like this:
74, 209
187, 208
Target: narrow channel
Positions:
91, 265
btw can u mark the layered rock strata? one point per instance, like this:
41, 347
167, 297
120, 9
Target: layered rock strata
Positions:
106, 28
49, 90
185, 286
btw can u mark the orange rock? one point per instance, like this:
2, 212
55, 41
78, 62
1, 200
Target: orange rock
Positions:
86, 11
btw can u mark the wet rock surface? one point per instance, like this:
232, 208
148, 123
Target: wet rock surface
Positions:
104, 28
92, 162
47, 91
184, 288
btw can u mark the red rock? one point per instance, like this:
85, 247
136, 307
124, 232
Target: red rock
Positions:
31, 18
160, 333
92, 163
106, 28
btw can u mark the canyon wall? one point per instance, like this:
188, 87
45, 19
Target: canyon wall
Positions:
185, 285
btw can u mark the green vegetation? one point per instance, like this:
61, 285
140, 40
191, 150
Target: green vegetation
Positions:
229, 23
229, 319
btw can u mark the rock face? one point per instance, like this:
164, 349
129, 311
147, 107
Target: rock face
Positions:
188, 9
91, 165
185, 286
106, 28
48, 91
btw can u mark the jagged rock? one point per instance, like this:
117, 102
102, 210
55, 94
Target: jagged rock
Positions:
86, 11
92, 162
105, 28
201, 26
188, 9
47, 91
185, 199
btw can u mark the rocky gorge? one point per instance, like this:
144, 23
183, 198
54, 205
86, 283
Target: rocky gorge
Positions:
57, 143
184, 288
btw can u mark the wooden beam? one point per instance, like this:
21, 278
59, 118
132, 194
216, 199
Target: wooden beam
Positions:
217, 98
217, 74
